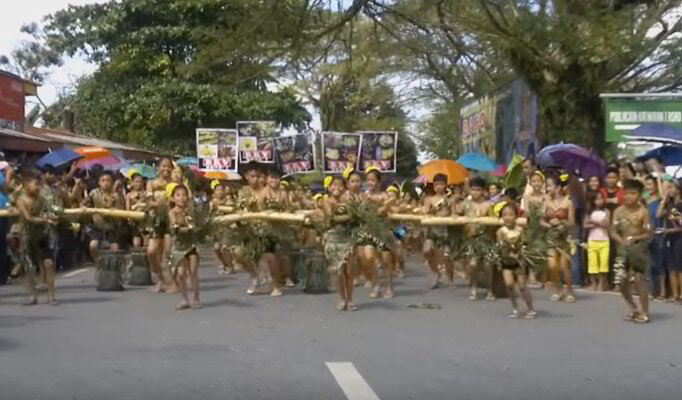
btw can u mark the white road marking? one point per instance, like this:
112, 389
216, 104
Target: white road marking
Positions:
352, 383
74, 273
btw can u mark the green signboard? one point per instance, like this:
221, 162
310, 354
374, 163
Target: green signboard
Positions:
624, 115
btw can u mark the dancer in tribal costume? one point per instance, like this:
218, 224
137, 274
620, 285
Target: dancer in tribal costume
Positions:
103, 230
532, 205
379, 204
438, 243
157, 225
338, 246
478, 238
512, 256
136, 200
183, 258
395, 205
559, 216
631, 230
221, 246
36, 239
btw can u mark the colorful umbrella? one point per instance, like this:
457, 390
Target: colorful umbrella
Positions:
575, 158
658, 133
93, 152
670, 155
111, 163
222, 176
477, 162
58, 158
187, 161
500, 171
147, 171
455, 172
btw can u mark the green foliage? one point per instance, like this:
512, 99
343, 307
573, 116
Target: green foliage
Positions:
440, 133
165, 68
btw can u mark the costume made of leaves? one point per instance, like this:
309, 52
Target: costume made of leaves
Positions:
519, 254
477, 240
368, 228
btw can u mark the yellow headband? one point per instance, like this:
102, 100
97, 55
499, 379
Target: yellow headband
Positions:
214, 183
169, 189
285, 184
328, 181
497, 208
372, 168
393, 189
318, 196
346, 172
538, 173
132, 172
563, 178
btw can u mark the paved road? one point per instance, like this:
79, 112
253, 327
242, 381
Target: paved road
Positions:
133, 345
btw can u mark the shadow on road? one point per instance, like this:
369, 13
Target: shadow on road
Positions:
79, 300
14, 321
228, 302
8, 344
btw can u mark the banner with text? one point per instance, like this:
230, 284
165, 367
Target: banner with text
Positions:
339, 150
256, 141
217, 149
295, 154
624, 115
378, 149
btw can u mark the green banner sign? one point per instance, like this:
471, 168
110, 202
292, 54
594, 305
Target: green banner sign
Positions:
624, 115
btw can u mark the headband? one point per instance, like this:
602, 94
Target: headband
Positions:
214, 184
328, 181
169, 189
393, 189
132, 172
497, 208
318, 196
372, 168
563, 177
538, 173
285, 184
346, 172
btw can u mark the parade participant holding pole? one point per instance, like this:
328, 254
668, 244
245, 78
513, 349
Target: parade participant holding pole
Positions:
219, 198
136, 200
37, 250
478, 238
338, 246
184, 257
437, 243
104, 231
158, 225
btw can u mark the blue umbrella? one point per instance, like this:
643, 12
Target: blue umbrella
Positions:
187, 161
58, 158
670, 155
659, 133
477, 162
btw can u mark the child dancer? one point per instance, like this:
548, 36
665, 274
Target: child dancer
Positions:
184, 257
631, 232
598, 242
478, 237
338, 245
37, 249
221, 250
510, 239
437, 244
136, 200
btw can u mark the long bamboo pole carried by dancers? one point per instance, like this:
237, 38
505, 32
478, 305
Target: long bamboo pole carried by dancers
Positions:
296, 217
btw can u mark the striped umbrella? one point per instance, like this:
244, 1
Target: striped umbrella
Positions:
111, 163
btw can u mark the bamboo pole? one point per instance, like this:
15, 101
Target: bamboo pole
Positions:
491, 221
105, 212
261, 216
406, 217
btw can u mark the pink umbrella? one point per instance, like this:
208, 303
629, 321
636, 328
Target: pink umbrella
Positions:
111, 162
500, 171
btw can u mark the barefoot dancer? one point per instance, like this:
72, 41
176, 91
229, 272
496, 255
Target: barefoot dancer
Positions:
532, 204
337, 243
220, 247
136, 200
104, 231
36, 244
510, 246
379, 203
278, 237
158, 225
437, 244
559, 216
632, 233
478, 238
184, 257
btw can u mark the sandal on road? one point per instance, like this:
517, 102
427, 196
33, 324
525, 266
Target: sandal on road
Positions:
631, 316
641, 319
514, 315
531, 315
570, 298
